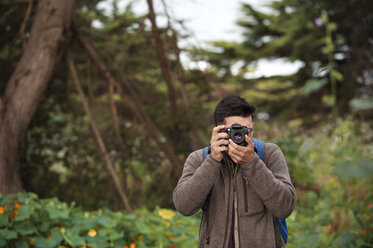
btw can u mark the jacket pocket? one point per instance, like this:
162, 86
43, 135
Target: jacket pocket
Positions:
253, 204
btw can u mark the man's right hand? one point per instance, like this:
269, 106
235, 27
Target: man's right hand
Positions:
219, 143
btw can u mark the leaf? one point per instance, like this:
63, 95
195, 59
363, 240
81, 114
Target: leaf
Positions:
74, 239
313, 85
360, 169
362, 104
345, 238
55, 213
4, 219
21, 244
144, 229
8, 234
328, 100
336, 75
53, 241
308, 145
332, 26
24, 213
105, 221
25, 228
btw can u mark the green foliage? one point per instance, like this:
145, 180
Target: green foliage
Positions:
333, 175
321, 35
362, 104
26, 221
313, 85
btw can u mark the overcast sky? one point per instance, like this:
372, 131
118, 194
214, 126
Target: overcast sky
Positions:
211, 20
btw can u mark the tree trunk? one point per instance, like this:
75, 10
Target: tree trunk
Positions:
28, 82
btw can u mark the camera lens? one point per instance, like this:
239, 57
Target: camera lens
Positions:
237, 137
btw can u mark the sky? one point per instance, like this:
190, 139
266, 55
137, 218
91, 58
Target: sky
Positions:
211, 20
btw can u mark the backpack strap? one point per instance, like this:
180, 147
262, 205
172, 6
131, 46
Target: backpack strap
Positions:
206, 152
283, 229
258, 144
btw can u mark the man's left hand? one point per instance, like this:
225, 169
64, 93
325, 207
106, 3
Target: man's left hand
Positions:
241, 154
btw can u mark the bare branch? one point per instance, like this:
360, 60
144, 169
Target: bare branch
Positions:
97, 136
23, 25
163, 60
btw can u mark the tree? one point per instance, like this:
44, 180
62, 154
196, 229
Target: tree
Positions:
48, 37
330, 38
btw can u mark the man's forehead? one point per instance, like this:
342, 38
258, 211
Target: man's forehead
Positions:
238, 119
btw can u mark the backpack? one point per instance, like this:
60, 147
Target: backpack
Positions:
258, 144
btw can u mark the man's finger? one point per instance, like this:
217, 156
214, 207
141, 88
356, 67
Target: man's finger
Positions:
236, 147
233, 149
221, 148
235, 158
217, 129
223, 142
248, 139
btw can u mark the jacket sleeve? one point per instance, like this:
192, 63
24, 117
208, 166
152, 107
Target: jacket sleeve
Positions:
195, 183
271, 181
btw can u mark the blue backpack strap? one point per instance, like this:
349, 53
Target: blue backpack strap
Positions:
283, 230
206, 152
258, 144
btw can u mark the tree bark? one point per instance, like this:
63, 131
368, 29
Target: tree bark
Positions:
97, 136
49, 36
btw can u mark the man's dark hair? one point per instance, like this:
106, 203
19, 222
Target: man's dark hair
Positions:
232, 106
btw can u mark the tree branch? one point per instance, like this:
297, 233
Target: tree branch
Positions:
23, 25
136, 108
97, 136
163, 60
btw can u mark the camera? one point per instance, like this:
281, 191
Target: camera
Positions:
237, 133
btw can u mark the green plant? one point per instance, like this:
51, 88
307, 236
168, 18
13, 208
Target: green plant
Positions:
27, 221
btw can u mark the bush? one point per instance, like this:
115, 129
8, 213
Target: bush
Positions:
333, 175
27, 221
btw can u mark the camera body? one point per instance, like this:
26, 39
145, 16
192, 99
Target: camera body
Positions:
237, 133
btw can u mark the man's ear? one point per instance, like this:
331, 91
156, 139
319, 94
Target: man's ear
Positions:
252, 131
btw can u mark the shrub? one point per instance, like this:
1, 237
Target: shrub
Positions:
27, 221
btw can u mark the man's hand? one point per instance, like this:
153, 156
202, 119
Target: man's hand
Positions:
219, 143
241, 154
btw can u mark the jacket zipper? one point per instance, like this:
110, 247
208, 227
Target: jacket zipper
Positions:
229, 198
245, 194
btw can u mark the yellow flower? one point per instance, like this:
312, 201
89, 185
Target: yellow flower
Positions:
166, 214
92, 233
133, 245
167, 223
2, 210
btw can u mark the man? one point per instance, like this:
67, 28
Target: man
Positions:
247, 194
